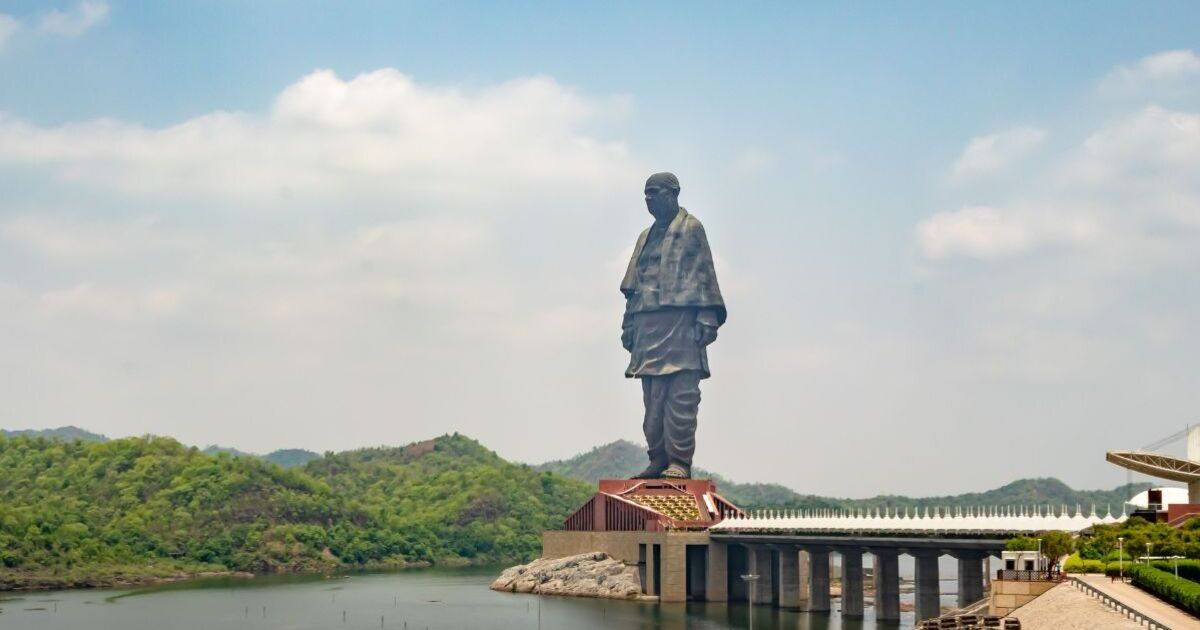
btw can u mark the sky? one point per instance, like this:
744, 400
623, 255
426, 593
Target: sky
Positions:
959, 244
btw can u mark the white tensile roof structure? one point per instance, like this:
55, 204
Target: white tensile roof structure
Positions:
972, 521
1170, 496
1162, 466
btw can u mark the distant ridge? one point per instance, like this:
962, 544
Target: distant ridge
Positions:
66, 434
622, 459
291, 457
284, 457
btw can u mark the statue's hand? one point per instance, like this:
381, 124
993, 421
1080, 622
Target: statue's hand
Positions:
627, 338
705, 334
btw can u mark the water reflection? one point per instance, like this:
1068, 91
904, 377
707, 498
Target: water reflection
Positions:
437, 599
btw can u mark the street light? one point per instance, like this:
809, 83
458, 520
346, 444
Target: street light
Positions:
1147, 554
750, 579
1121, 557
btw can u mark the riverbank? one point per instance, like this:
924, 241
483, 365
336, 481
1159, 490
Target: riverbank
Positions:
91, 576
109, 576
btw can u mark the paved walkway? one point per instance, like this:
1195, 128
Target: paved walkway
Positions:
1140, 600
1065, 607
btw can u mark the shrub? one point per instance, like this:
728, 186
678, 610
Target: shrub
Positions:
1181, 592
1188, 569
1075, 564
1113, 569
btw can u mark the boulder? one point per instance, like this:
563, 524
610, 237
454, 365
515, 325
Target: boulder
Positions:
593, 574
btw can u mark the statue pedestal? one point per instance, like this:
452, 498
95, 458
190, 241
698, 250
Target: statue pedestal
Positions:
659, 525
651, 505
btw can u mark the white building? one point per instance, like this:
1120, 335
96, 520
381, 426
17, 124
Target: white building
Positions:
1019, 560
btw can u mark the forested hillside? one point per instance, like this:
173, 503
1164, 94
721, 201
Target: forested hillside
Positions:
78, 513
620, 459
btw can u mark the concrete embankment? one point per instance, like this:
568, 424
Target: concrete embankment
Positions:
586, 575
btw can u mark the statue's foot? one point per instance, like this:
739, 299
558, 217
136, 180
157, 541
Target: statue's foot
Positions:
653, 471
677, 471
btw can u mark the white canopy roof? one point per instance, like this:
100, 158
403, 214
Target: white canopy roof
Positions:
1010, 521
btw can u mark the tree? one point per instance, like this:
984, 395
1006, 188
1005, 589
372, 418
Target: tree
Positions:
1021, 543
1055, 545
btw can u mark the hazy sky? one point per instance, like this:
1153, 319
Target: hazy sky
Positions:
959, 243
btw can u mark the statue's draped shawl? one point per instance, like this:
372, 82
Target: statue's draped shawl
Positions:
686, 276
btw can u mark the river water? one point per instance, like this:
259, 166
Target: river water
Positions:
436, 598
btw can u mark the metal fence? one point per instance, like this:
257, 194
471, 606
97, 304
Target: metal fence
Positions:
1028, 576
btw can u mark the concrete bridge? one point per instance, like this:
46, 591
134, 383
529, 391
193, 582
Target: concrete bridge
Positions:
790, 552
690, 543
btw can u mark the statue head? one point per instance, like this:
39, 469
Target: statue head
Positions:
662, 196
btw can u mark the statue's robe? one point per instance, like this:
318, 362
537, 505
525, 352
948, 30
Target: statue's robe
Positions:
671, 288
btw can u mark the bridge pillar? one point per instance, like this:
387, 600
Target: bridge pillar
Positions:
929, 603
652, 571
970, 577
852, 582
818, 580
716, 583
792, 592
737, 563
887, 584
762, 564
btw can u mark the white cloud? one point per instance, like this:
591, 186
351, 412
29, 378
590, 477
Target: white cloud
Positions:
75, 21
1172, 65
1129, 190
380, 133
8, 27
64, 239
752, 161
1152, 146
989, 233
978, 231
128, 306
991, 154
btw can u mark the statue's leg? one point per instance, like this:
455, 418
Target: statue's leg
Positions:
654, 394
679, 422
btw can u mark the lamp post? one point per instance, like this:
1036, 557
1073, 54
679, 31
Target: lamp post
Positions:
750, 579
1039, 557
1121, 557
1147, 554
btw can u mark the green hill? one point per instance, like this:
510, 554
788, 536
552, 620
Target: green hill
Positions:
622, 459
290, 457
616, 460
213, 449
284, 457
65, 434
81, 514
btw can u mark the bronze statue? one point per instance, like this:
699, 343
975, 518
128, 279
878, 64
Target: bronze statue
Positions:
673, 308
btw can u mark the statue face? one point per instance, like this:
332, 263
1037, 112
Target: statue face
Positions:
662, 202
